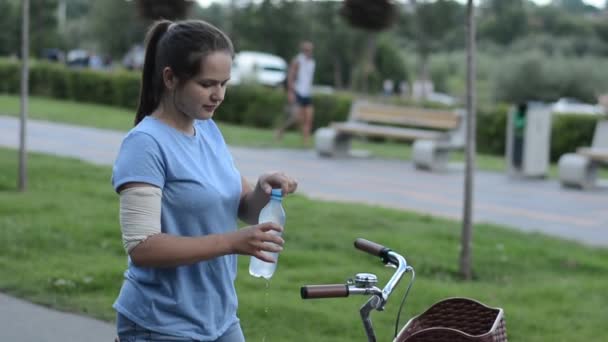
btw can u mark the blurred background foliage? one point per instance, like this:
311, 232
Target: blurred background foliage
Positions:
563, 44
526, 52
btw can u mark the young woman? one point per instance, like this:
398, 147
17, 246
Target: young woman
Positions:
181, 195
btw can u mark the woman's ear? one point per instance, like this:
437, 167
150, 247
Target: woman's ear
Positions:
169, 78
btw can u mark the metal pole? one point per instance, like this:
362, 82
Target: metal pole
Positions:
467, 220
25, 37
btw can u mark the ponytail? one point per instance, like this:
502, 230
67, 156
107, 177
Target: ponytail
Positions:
151, 81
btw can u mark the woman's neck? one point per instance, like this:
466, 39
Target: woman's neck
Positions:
175, 119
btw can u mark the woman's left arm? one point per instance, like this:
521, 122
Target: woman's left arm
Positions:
254, 199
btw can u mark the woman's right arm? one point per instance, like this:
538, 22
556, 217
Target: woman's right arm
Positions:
164, 250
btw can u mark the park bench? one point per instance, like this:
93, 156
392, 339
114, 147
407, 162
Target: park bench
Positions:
435, 133
580, 169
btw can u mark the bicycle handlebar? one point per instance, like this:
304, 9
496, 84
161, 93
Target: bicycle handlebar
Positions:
324, 291
365, 285
371, 248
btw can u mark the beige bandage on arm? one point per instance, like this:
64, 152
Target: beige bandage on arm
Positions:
139, 214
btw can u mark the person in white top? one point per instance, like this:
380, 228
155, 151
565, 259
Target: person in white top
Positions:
299, 91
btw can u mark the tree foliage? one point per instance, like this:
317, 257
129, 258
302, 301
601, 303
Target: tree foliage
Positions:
504, 21
108, 15
339, 30
369, 15
164, 9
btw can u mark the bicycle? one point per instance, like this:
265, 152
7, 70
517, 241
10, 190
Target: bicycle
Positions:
451, 320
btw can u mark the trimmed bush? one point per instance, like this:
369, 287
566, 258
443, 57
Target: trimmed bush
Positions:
9, 74
570, 132
252, 105
491, 129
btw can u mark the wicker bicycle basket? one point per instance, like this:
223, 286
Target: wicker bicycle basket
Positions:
456, 320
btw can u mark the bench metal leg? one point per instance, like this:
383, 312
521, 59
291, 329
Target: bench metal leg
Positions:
331, 144
428, 155
576, 170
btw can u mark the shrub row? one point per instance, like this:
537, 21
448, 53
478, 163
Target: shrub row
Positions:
258, 106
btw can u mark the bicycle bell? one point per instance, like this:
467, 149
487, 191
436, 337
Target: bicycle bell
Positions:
365, 280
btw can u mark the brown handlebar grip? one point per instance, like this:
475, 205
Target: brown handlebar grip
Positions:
324, 291
371, 247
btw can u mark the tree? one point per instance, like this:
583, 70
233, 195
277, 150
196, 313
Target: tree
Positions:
372, 16
503, 21
253, 25
105, 16
432, 23
467, 217
164, 9
44, 33
9, 27
575, 6
338, 45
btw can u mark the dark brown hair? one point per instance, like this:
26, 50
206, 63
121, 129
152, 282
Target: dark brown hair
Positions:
181, 46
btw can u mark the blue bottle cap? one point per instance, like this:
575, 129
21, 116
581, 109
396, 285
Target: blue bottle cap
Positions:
276, 193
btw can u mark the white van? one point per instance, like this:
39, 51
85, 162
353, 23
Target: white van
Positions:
258, 67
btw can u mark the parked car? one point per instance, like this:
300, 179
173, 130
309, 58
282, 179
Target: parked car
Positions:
573, 106
77, 58
258, 67
442, 98
53, 54
134, 58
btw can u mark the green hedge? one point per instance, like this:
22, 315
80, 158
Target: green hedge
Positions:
568, 131
119, 88
491, 129
262, 107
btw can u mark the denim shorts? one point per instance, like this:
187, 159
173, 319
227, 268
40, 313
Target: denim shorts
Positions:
129, 331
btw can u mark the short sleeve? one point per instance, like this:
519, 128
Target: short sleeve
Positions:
139, 159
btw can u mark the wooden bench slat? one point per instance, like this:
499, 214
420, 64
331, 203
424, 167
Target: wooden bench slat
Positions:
389, 114
401, 133
597, 154
411, 121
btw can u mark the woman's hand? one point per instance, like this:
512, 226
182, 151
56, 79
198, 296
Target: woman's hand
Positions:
274, 180
253, 240
252, 201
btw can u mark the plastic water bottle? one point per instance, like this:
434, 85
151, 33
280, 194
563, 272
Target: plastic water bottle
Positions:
272, 212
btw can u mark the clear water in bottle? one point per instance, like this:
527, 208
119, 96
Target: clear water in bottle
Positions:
272, 212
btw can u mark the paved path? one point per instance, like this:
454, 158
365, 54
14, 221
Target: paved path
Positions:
528, 205
21, 321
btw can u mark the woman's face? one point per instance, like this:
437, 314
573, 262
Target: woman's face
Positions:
200, 96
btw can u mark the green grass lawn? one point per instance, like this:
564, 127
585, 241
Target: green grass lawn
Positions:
60, 246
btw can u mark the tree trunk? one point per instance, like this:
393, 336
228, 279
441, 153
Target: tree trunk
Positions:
467, 220
368, 60
338, 81
25, 40
423, 56
424, 75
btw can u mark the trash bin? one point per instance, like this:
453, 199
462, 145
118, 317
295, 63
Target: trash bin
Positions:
528, 139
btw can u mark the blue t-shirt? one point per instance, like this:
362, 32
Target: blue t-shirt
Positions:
201, 188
